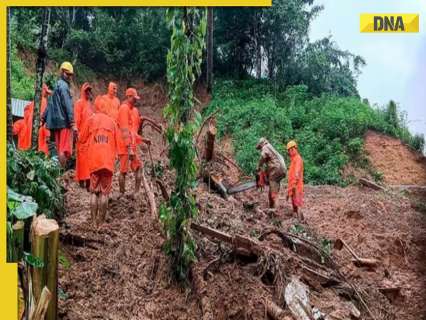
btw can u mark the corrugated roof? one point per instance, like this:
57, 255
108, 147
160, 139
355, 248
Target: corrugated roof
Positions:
18, 106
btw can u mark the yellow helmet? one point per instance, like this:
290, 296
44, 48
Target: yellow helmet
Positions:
66, 66
291, 144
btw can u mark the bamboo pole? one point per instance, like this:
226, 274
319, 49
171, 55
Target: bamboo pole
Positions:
42, 305
18, 238
44, 245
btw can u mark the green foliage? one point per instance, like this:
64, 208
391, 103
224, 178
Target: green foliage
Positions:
329, 129
21, 81
183, 67
19, 206
31, 173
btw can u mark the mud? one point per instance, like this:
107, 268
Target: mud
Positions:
400, 164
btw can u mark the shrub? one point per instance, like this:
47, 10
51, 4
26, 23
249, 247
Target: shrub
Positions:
31, 173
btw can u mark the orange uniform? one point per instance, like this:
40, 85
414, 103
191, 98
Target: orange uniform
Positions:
295, 179
110, 104
83, 110
127, 138
18, 129
99, 133
26, 130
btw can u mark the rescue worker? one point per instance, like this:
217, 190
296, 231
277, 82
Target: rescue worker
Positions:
83, 110
128, 140
295, 179
26, 130
99, 133
138, 121
18, 129
111, 103
59, 116
275, 169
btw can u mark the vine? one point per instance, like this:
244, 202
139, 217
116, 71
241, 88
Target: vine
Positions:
183, 67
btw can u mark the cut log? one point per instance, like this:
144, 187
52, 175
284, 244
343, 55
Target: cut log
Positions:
357, 261
42, 305
216, 184
44, 245
210, 139
274, 311
150, 195
18, 240
370, 184
365, 262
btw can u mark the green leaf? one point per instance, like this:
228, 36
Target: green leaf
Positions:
33, 261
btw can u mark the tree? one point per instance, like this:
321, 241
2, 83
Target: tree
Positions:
210, 19
183, 68
9, 91
41, 64
391, 114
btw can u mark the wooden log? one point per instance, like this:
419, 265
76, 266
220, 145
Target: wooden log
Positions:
357, 261
18, 237
215, 183
370, 184
44, 245
212, 233
150, 195
42, 306
273, 310
210, 139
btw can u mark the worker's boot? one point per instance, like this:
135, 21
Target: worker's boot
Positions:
122, 183
94, 208
272, 200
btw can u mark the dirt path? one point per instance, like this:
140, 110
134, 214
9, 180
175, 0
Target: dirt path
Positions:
122, 273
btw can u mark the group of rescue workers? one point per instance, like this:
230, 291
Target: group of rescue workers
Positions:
106, 128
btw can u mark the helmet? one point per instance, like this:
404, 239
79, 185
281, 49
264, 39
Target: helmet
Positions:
291, 144
131, 92
66, 66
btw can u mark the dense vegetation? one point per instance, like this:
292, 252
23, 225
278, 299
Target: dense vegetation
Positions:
31, 173
328, 128
137, 40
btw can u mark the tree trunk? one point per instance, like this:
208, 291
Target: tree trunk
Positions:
210, 18
9, 91
258, 47
44, 245
210, 139
41, 64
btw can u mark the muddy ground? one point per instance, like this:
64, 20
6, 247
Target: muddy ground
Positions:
120, 272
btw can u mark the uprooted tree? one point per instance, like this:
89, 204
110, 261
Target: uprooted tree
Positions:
183, 67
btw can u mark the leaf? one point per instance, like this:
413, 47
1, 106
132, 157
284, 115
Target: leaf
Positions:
33, 261
30, 175
25, 210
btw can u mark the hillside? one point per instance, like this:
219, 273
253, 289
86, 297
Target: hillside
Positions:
399, 164
121, 272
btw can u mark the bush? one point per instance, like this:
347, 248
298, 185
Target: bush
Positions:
31, 173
